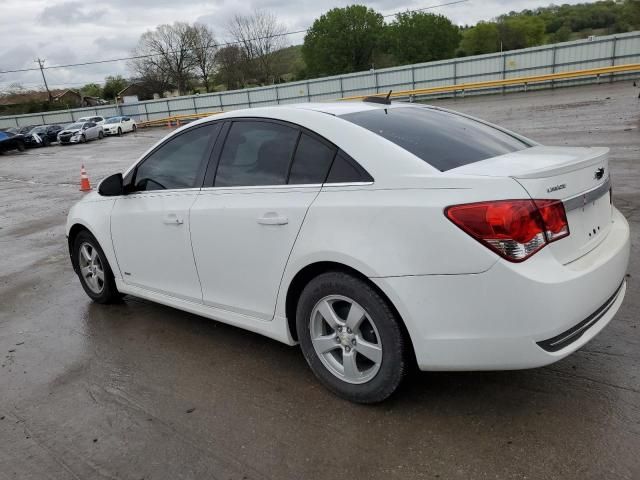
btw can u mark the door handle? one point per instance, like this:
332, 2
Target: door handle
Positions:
272, 218
173, 219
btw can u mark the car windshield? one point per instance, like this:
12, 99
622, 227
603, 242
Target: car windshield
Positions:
444, 140
74, 126
113, 120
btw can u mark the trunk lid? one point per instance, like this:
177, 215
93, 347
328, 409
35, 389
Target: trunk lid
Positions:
576, 175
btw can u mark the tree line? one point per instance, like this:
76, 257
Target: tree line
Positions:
351, 39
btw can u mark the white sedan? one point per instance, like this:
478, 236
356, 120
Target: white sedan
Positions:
376, 236
119, 125
97, 120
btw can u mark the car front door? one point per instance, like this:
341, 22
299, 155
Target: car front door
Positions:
150, 225
244, 225
90, 130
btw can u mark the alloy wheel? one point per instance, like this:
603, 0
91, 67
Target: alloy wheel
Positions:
91, 268
346, 339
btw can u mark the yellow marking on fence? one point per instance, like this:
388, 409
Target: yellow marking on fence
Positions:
591, 72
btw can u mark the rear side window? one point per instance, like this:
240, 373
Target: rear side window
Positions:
345, 170
443, 140
176, 163
312, 161
256, 153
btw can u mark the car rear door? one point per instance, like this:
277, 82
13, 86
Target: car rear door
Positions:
150, 225
244, 224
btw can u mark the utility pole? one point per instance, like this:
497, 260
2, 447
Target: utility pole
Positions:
41, 64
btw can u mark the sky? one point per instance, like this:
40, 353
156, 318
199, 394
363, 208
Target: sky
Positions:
74, 31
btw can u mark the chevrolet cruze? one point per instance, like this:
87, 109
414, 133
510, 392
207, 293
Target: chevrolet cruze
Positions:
376, 235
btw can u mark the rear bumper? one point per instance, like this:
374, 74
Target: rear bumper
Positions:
508, 317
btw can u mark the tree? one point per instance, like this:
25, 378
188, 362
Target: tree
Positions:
343, 40
204, 47
561, 35
165, 54
230, 72
260, 36
113, 86
422, 37
483, 38
521, 32
91, 90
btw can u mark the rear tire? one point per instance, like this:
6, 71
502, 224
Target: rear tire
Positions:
135, 127
351, 338
21, 146
93, 269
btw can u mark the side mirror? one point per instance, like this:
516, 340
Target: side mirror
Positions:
111, 186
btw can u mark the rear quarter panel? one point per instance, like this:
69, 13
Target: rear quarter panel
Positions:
395, 232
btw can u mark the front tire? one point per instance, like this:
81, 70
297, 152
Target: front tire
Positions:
351, 338
93, 269
100, 135
119, 132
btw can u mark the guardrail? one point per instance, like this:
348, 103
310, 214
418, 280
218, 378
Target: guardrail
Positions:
175, 120
461, 87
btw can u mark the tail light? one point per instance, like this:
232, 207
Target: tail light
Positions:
514, 229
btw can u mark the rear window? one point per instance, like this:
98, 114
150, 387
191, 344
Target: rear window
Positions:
444, 140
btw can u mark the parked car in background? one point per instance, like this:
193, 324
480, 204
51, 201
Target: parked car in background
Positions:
42, 136
80, 132
11, 141
97, 120
23, 130
119, 125
376, 236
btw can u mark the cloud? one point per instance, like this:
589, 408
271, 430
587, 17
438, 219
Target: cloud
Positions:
70, 13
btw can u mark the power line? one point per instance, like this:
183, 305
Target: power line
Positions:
223, 44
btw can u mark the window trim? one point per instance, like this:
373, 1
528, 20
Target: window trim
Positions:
130, 178
214, 161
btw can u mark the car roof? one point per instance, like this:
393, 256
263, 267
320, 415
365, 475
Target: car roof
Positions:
346, 107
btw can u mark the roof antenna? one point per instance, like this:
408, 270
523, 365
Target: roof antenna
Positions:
383, 100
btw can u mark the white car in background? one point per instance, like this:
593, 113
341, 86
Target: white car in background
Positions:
80, 132
97, 120
119, 125
377, 236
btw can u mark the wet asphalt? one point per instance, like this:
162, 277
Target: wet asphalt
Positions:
142, 391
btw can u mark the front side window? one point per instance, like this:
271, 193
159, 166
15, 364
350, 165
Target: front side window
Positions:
444, 140
256, 153
176, 164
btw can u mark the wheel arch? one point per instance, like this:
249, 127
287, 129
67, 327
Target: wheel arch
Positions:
309, 272
74, 231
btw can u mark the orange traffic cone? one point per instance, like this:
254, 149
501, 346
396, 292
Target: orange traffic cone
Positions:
85, 186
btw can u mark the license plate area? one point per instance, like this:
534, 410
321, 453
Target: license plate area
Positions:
589, 222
